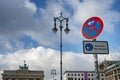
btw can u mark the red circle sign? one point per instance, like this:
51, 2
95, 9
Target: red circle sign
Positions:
92, 28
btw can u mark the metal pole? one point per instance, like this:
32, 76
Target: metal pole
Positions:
61, 52
96, 66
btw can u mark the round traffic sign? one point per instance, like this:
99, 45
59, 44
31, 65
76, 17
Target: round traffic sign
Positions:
89, 47
92, 28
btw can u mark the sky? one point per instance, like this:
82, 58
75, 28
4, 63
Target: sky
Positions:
26, 33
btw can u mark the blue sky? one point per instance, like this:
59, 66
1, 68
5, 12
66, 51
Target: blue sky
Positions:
26, 28
112, 39
69, 10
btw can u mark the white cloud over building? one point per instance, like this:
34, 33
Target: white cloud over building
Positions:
41, 58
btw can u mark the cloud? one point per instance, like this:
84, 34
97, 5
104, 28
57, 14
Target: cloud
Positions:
88, 8
41, 58
19, 18
30, 6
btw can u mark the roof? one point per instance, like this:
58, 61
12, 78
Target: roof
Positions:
80, 72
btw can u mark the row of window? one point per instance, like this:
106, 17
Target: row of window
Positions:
83, 79
115, 72
22, 79
82, 74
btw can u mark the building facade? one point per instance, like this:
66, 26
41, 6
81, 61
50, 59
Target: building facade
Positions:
111, 69
23, 73
108, 70
82, 75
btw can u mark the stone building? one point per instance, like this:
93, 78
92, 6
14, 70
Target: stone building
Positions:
111, 69
23, 73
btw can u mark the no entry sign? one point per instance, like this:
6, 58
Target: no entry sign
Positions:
92, 28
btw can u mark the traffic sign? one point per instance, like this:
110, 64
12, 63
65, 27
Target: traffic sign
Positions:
92, 28
95, 47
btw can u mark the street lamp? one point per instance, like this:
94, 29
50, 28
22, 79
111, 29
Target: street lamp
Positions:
61, 19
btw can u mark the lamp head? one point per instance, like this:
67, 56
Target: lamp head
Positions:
54, 29
67, 30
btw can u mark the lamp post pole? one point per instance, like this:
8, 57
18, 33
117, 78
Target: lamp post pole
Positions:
61, 19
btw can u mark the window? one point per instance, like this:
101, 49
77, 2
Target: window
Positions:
70, 78
119, 76
71, 74
75, 74
101, 74
78, 78
91, 74
23, 78
118, 70
78, 74
38, 78
115, 77
8, 79
115, 72
68, 74
75, 78
31, 79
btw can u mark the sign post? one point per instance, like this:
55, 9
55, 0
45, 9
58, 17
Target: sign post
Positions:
96, 65
91, 29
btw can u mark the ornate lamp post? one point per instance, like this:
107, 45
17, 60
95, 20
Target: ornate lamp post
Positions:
61, 19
